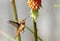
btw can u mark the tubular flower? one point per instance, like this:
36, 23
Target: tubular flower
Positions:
34, 4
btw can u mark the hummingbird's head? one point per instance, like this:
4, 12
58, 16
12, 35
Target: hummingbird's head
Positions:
22, 21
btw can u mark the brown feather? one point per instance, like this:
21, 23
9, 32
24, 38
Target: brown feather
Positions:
21, 28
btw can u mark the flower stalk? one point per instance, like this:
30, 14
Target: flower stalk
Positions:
15, 15
34, 15
35, 30
33, 33
34, 5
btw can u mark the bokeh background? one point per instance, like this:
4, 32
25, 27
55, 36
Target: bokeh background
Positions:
48, 22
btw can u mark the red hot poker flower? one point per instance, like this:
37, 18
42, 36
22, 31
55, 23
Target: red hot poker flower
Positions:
34, 4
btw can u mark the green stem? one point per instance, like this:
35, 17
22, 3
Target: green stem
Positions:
33, 33
15, 15
35, 30
34, 15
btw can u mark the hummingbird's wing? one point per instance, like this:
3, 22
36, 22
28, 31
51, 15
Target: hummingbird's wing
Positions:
16, 24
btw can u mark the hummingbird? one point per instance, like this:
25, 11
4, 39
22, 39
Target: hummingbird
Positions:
20, 25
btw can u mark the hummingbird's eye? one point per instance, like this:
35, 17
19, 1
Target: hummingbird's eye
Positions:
23, 22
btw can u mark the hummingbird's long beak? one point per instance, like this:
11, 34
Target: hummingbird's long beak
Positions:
25, 18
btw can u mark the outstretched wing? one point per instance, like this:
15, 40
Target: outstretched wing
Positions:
16, 24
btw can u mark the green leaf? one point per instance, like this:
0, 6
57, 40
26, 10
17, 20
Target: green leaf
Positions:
7, 36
